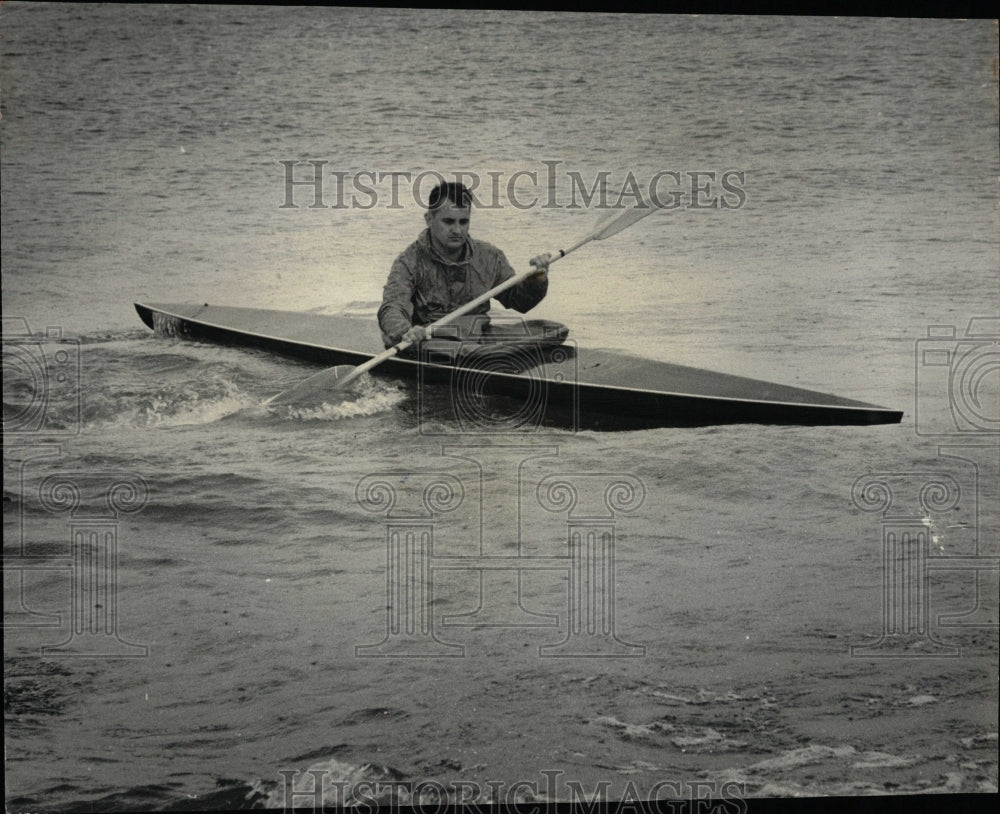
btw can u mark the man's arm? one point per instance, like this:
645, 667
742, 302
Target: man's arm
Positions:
528, 293
395, 316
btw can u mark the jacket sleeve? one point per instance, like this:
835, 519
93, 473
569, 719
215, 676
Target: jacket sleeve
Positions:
526, 294
395, 316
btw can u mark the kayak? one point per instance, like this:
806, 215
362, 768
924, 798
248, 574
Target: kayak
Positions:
530, 365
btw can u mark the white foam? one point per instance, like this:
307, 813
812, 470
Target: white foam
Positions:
181, 406
802, 757
363, 405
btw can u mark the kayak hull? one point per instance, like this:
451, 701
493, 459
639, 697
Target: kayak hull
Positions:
540, 380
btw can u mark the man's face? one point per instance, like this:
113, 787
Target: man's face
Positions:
449, 226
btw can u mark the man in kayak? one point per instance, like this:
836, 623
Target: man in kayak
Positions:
444, 268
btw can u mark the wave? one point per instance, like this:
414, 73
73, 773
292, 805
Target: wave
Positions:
357, 406
129, 379
190, 403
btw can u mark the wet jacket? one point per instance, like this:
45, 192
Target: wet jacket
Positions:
423, 286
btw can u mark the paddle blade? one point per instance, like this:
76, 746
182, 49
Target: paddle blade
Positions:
326, 386
615, 222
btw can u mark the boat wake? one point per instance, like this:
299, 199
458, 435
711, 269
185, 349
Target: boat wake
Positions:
133, 381
366, 397
178, 405
220, 398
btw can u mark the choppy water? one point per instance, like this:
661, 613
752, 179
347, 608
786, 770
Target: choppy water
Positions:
140, 162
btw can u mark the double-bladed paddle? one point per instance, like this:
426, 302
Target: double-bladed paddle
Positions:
334, 380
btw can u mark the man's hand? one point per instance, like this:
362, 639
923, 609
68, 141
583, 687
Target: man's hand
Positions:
417, 333
541, 263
